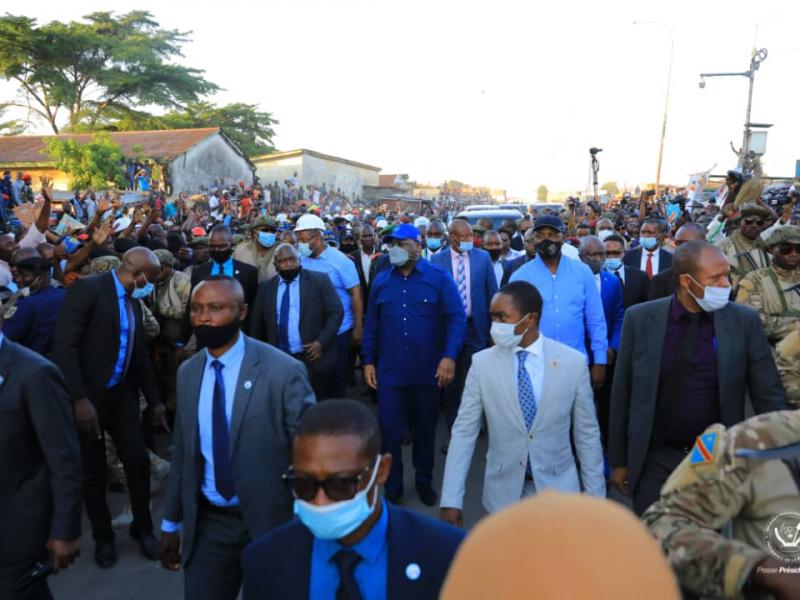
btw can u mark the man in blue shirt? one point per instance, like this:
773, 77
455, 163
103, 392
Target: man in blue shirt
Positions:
319, 256
572, 305
413, 334
348, 544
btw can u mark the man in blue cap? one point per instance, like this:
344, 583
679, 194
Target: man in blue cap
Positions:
573, 309
414, 330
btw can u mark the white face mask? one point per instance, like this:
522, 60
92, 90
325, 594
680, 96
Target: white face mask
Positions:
604, 233
713, 298
503, 334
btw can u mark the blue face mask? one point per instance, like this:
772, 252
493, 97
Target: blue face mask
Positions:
142, 292
337, 520
648, 243
304, 249
465, 246
612, 264
433, 243
266, 239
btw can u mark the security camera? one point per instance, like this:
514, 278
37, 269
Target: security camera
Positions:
702, 83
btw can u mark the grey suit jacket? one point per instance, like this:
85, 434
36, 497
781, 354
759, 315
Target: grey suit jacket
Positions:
744, 364
321, 313
271, 395
566, 408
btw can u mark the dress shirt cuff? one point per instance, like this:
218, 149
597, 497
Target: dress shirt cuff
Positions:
600, 358
168, 526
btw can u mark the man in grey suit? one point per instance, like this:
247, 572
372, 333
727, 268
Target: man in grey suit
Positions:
685, 362
239, 403
298, 311
535, 393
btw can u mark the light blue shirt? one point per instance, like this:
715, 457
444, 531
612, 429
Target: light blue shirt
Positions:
343, 275
232, 363
124, 332
295, 343
370, 572
227, 268
572, 304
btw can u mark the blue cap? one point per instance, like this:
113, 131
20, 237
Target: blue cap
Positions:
406, 231
549, 221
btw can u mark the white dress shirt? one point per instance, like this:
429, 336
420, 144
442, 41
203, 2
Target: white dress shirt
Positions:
498, 271
366, 262
645, 253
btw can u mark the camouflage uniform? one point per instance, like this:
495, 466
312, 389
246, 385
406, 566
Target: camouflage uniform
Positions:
731, 478
743, 254
775, 293
253, 253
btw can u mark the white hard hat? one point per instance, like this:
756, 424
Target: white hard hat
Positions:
309, 223
421, 221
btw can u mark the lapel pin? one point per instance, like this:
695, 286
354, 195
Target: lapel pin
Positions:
413, 571
555, 364
248, 384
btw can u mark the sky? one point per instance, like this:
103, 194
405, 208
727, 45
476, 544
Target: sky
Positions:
509, 95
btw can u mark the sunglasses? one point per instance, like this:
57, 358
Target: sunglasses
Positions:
787, 249
757, 222
336, 488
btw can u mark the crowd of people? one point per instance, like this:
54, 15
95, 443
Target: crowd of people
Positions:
615, 350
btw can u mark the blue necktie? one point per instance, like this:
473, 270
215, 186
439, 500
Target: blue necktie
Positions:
283, 320
219, 436
527, 401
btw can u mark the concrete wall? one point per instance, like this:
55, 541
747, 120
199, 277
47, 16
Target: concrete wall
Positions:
312, 170
211, 159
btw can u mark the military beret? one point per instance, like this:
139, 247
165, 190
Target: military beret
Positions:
787, 234
201, 240
265, 221
165, 257
753, 208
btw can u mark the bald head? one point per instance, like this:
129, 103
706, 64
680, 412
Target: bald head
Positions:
460, 227
690, 232
139, 267
221, 286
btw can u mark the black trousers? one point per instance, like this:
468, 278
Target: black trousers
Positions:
118, 413
318, 381
14, 585
214, 571
659, 463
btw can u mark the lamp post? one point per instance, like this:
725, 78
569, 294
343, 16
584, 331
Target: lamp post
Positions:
666, 100
756, 58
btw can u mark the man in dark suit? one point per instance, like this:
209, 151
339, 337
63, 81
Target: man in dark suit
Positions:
239, 404
513, 265
100, 348
664, 284
472, 270
685, 362
649, 256
299, 312
40, 464
635, 284
348, 541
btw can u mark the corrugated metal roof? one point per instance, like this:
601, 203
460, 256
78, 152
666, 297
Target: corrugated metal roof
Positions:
158, 144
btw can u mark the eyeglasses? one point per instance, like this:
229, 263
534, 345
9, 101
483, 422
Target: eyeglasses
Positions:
757, 222
336, 488
787, 249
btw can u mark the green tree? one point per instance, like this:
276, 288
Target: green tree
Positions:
611, 187
541, 193
103, 63
11, 127
97, 164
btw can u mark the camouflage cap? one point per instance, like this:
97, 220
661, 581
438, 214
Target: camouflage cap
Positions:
753, 208
165, 257
237, 238
201, 240
266, 221
788, 234
104, 264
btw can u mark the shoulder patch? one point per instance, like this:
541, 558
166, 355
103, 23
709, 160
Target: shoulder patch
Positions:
704, 449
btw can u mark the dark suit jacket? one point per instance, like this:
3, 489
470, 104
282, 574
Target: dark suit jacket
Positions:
321, 314
663, 285
511, 266
362, 279
636, 287
40, 460
271, 396
278, 565
744, 364
633, 258
483, 287
86, 343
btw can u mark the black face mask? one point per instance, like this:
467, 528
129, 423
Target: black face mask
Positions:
288, 275
220, 256
216, 336
595, 265
495, 254
348, 248
548, 249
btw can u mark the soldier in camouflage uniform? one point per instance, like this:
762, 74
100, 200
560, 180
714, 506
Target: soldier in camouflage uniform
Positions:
775, 293
744, 247
747, 476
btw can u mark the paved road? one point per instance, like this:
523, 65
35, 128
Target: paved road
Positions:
134, 578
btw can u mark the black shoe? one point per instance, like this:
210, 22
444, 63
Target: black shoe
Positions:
426, 495
393, 498
104, 554
148, 545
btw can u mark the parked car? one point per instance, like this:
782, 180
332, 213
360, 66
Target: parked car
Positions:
496, 215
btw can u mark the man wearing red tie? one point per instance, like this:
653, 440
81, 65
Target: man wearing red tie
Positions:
649, 256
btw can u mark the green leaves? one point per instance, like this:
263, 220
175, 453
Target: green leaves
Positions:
96, 164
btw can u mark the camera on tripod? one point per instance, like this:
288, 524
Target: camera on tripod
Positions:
594, 151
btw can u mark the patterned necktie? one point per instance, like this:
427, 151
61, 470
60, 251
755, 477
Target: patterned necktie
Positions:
219, 436
461, 280
283, 320
527, 401
346, 561
649, 266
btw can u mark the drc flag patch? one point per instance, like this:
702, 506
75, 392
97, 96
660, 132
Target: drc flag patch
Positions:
703, 451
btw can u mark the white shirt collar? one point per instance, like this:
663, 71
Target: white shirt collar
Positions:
536, 348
